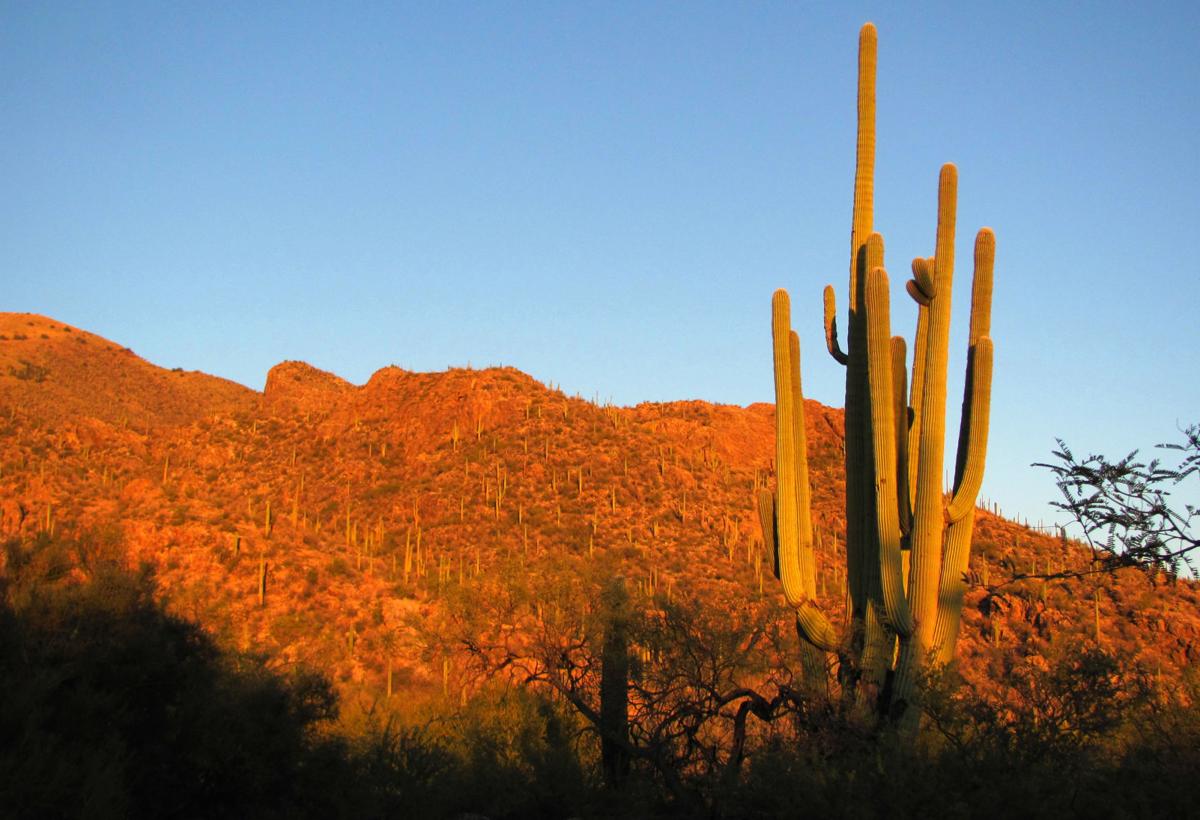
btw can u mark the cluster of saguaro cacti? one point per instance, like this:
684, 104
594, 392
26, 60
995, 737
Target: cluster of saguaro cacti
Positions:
908, 543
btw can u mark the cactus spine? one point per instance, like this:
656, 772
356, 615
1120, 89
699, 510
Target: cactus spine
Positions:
908, 546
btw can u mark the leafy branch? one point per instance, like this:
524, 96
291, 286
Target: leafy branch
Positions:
1124, 507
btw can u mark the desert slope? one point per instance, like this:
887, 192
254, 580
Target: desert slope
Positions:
58, 372
378, 511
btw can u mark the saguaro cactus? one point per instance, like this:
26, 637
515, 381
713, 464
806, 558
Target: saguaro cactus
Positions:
614, 685
925, 614
870, 642
908, 545
262, 581
786, 516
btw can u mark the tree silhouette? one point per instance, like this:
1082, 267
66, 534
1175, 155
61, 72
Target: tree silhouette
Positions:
1124, 507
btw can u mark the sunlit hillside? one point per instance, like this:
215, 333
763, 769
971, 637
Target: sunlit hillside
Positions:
353, 527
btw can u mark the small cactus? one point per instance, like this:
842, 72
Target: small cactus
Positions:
262, 581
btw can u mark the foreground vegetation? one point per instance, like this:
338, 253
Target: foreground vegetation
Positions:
113, 707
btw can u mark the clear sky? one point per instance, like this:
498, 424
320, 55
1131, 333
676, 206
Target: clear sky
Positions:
605, 194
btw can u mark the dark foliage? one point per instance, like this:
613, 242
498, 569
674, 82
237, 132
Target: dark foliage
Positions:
1124, 507
114, 708
1086, 737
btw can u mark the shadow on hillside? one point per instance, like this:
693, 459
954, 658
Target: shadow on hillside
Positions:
112, 707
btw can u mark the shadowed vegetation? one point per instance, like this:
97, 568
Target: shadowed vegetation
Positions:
115, 708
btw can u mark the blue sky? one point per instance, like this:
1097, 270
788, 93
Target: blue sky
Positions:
606, 194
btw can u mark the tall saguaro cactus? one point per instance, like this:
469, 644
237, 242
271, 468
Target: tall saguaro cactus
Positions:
908, 544
870, 641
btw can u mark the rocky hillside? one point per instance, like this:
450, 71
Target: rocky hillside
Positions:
58, 373
343, 526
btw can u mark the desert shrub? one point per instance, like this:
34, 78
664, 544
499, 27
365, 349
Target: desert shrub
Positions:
28, 371
1081, 737
406, 771
515, 756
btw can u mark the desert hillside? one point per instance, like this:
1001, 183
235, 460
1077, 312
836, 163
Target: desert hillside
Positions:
353, 528
58, 373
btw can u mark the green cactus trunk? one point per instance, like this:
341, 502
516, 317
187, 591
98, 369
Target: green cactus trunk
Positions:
870, 638
908, 548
